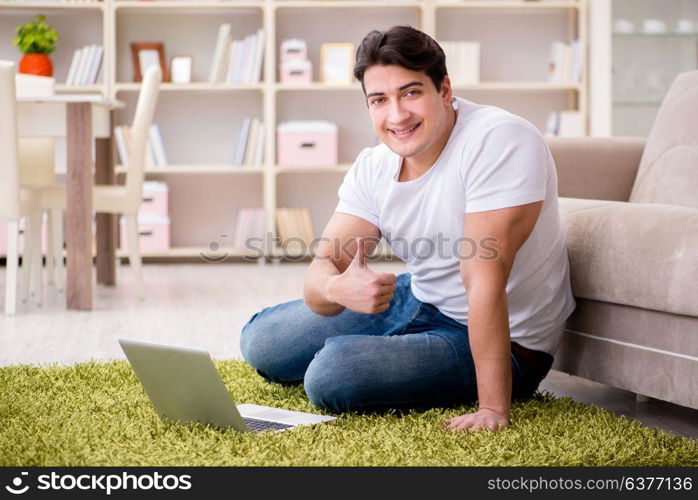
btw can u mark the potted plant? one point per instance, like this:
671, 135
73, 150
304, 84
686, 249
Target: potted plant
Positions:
36, 40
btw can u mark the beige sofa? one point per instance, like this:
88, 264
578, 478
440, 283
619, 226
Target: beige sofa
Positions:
630, 210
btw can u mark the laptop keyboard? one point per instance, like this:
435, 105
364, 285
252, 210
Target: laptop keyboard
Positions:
255, 425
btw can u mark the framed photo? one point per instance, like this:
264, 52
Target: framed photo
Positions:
145, 54
180, 69
337, 61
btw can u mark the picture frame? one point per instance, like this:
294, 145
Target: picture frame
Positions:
336, 63
144, 54
180, 69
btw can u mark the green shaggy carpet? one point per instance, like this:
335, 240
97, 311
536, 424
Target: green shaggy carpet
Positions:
97, 414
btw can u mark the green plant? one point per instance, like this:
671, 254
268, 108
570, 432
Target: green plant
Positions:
36, 37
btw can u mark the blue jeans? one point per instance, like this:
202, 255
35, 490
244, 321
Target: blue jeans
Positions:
409, 356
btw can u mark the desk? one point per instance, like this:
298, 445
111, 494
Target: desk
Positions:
72, 116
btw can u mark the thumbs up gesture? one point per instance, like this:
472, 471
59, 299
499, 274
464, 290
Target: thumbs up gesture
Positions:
360, 289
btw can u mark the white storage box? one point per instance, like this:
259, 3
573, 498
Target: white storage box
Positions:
153, 234
307, 143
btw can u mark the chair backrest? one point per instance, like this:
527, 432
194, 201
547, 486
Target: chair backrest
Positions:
36, 161
9, 161
668, 171
142, 119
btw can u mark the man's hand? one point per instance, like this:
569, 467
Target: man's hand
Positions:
360, 289
482, 419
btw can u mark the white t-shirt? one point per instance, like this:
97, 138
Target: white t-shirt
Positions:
493, 159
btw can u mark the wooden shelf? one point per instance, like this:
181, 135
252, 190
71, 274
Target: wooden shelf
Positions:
305, 170
185, 5
194, 86
193, 251
315, 86
518, 86
503, 86
355, 4
96, 87
504, 4
52, 5
201, 168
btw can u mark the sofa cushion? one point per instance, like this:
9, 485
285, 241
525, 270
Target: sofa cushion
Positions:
668, 170
636, 254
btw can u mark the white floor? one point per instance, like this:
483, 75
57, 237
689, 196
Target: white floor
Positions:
206, 305
198, 305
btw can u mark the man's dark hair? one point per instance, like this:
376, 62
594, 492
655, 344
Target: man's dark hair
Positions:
402, 46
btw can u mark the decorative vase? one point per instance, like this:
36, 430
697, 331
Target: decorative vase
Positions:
36, 64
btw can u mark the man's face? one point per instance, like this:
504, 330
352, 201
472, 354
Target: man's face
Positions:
399, 100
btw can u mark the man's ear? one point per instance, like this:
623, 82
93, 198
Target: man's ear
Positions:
446, 90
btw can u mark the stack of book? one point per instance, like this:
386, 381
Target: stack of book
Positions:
295, 229
155, 155
237, 61
463, 62
565, 124
250, 145
565, 65
249, 228
85, 65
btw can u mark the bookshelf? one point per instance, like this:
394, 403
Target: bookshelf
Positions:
200, 120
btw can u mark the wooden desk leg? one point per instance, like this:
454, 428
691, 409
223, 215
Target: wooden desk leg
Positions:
106, 223
78, 227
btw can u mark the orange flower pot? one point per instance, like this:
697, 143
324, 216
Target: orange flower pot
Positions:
36, 64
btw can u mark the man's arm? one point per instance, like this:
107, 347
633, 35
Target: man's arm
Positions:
485, 278
333, 255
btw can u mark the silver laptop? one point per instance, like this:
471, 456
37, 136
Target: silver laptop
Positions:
184, 385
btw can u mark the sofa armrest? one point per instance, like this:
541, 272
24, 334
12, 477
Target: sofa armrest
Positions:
637, 254
600, 168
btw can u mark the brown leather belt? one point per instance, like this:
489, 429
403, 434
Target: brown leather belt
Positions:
538, 359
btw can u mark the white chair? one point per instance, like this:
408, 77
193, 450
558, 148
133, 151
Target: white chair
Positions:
37, 170
125, 199
16, 202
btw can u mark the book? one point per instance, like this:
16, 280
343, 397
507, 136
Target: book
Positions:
242, 142
157, 145
220, 54
251, 148
95, 65
565, 64
571, 124
233, 55
74, 62
565, 124
82, 62
259, 154
121, 145
259, 58
463, 61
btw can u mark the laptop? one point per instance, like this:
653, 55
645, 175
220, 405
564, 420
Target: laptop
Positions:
184, 385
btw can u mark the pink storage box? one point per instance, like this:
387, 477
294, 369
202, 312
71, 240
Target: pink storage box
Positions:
307, 143
155, 195
296, 71
293, 49
153, 234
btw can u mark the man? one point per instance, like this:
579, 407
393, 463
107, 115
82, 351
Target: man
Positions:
466, 195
